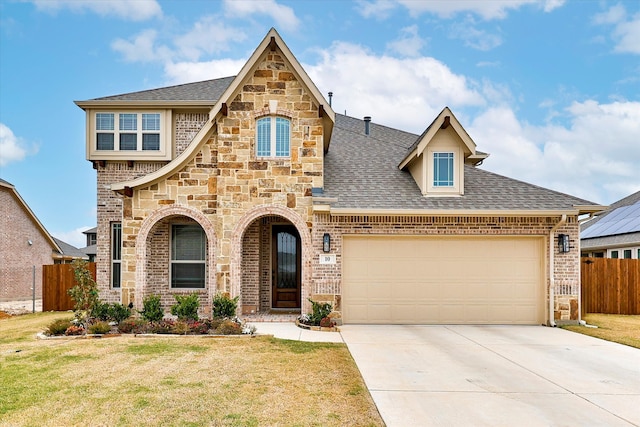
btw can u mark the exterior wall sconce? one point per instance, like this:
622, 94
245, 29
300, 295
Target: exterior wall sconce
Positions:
563, 243
326, 242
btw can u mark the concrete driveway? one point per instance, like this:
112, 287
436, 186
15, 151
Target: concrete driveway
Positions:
496, 376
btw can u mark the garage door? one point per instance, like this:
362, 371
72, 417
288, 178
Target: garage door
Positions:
445, 280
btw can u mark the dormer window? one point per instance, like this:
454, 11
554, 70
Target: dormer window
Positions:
273, 137
129, 135
443, 172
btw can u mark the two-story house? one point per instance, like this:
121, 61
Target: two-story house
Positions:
254, 186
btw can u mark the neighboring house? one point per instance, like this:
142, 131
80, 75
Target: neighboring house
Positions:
254, 186
614, 234
69, 253
25, 245
92, 238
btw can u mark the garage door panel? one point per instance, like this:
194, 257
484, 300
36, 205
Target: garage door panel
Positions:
409, 279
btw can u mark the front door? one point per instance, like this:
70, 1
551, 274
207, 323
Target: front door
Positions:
286, 267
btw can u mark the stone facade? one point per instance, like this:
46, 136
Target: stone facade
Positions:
224, 185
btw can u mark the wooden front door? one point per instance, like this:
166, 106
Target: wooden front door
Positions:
286, 267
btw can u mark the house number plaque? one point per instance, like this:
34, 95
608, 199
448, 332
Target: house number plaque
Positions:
327, 258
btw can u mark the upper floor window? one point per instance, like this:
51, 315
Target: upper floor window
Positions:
443, 170
128, 131
273, 137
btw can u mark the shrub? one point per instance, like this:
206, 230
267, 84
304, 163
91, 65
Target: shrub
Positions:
99, 328
319, 310
152, 309
118, 312
132, 326
326, 322
200, 327
181, 327
223, 306
58, 327
229, 327
186, 307
164, 326
85, 292
101, 311
74, 330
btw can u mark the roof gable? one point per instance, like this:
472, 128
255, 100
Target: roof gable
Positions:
271, 42
445, 120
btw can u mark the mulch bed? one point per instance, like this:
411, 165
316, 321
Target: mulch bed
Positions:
4, 315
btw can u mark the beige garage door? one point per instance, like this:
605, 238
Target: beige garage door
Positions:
445, 280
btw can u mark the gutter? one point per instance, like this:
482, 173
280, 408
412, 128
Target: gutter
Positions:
552, 280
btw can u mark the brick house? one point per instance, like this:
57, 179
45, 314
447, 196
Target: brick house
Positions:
254, 186
25, 246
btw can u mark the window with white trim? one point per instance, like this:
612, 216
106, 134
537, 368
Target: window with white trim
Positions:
443, 169
273, 137
116, 255
128, 131
188, 248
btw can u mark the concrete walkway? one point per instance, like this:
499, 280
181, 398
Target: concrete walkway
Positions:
289, 331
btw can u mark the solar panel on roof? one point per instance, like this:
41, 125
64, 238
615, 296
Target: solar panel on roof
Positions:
625, 219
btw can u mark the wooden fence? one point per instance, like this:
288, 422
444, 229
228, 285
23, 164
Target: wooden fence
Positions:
57, 279
610, 286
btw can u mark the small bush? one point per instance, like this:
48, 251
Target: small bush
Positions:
152, 309
186, 307
320, 310
229, 327
85, 292
74, 330
165, 326
326, 322
181, 327
101, 310
118, 312
223, 306
200, 327
99, 328
132, 326
58, 327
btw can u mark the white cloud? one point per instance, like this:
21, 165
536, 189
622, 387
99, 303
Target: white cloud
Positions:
409, 43
13, 148
208, 35
626, 31
184, 72
73, 237
142, 48
595, 157
474, 37
379, 9
138, 10
486, 9
283, 16
406, 93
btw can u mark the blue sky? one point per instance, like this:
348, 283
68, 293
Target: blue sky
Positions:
550, 88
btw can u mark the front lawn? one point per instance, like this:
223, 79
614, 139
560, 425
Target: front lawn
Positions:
170, 381
612, 327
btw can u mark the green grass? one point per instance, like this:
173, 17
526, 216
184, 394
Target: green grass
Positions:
175, 381
612, 327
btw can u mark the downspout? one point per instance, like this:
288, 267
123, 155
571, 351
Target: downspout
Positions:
552, 280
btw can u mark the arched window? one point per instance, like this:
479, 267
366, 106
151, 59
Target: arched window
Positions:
273, 137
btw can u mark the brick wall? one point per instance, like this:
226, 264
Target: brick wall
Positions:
17, 257
327, 278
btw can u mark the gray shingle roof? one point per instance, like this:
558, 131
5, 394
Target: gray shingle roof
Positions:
69, 250
361, 172
208, 90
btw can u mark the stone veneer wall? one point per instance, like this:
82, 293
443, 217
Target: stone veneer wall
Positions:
327, 278
229, 186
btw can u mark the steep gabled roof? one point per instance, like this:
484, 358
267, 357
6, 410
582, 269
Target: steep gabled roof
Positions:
445, 119
12, 190
361, 175
271, 40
